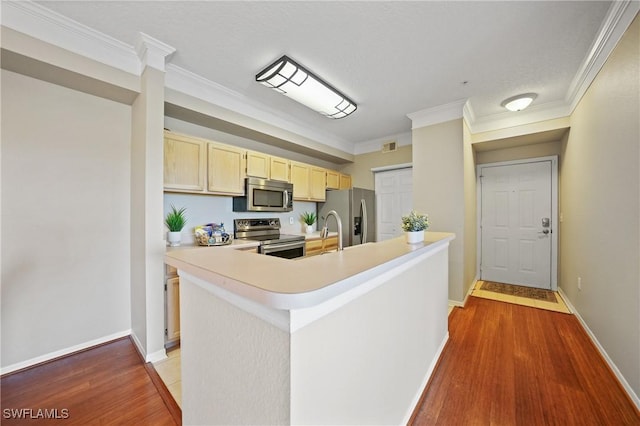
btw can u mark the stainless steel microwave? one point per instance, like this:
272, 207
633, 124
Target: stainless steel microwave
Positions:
262, 195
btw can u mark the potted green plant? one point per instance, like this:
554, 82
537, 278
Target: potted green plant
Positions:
309, 218
175, 221
414, 226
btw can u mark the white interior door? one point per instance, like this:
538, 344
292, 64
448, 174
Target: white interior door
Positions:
394, 198
516, 214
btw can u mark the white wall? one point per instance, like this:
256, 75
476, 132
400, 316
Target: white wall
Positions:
65, 219
600, 205
203, 209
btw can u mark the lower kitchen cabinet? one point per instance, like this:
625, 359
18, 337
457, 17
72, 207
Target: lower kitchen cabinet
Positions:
172, 307
314, 246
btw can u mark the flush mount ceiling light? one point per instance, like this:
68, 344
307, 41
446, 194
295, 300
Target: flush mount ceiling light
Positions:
293, 80
519, 102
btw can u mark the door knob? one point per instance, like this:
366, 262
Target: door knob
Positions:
544, 231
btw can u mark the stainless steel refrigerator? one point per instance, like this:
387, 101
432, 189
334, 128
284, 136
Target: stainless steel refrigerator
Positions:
357, 210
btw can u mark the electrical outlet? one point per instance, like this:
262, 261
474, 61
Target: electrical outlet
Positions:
291, 220
579, 284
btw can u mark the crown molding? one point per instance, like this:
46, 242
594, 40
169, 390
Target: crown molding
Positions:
37, 21
618, 19
152, 52
438, 114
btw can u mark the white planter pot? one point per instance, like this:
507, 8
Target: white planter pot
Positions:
174, 238
309, 229
415, 237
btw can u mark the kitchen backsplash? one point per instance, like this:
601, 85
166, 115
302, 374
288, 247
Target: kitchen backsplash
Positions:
203, 209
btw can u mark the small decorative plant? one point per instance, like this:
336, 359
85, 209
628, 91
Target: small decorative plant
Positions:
309, 218
175, 219
415, 222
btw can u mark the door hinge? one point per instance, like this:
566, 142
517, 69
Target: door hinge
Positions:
166, 332
165, 287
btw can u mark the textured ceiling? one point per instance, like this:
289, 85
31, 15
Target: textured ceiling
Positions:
391, 58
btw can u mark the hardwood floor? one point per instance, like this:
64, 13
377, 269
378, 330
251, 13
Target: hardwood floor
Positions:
506, 364
109, 384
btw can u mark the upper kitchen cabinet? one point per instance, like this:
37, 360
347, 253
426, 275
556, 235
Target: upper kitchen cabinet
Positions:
225, 171
308, 181
184, 163
345, 181
333, 179
317, 185
258, 164
300, 180
279, 169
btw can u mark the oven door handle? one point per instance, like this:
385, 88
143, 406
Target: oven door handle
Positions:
279, 247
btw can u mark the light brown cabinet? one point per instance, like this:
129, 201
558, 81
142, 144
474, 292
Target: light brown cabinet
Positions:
333, 179
345, 181
279, 169
314, 247
258, 164
225, 169
309, 182
317, 184
184, 163
197, 165
300, 180
172, 307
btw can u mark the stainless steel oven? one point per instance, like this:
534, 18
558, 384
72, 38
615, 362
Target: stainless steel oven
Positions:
272, 243
262, 195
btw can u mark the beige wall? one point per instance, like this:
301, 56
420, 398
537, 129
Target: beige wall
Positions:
360, 169
470, 213
438, 190
600, 193
65, 218
519, 152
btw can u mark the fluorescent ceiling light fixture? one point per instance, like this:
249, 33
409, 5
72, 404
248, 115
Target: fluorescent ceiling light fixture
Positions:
293, 80
519, 102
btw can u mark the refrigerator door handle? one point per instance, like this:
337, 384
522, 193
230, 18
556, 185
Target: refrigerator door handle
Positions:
364, 225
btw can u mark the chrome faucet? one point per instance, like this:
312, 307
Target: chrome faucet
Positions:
325, 230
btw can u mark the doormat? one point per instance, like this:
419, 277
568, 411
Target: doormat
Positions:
520, 291
520, 295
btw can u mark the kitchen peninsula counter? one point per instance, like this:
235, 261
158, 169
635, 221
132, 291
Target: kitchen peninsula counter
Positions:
298, 283
347, 337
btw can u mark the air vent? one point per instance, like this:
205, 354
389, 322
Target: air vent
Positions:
389, 146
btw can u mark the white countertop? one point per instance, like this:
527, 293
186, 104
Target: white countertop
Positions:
292, 284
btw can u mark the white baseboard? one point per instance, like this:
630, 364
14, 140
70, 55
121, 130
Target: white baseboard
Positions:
62, 352
156, 356
152, 357
425, 380
466, 297
604, 354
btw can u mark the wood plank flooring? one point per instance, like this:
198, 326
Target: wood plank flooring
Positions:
108, 384
506, 364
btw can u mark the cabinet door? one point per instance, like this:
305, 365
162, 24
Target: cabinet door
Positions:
318, 246
345, 181
225, 169
279, 169
300, 180
172, 309
258, 164
317, 189
333, 179
184, 163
